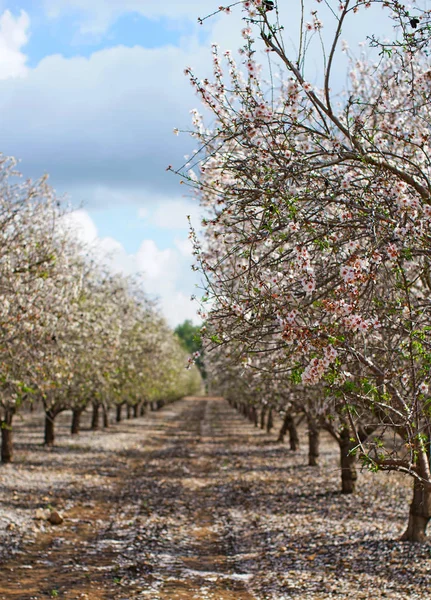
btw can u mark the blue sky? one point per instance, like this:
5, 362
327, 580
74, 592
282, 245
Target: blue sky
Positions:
90, 92
63, 36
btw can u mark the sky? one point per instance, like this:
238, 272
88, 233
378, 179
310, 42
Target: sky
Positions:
90, 93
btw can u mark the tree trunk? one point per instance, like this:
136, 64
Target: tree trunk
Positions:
293, 435
128, 411
6, 437
262, 417
118, 416
105, 417
349, 473
289, 426
135, 411
270, 422
419, 515
313, 443
143, 407
76, 421
49, 428
254, 417
283, 430
95, 416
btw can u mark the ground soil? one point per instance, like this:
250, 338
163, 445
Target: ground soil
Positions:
194, 503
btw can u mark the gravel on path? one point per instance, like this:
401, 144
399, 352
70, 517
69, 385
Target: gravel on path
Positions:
194, 503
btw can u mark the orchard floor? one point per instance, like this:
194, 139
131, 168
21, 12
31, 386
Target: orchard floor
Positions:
194, 503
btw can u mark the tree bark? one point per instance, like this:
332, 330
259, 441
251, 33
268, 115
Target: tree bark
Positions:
269, 422
313, 442
128, 411
143, 407
49, 428
118, 416
95, 417
419, 515
136, 411
293, 435
289, 426
76, 421
283, 430
262, 417
105, 417
254, 417
349, 473
6, 437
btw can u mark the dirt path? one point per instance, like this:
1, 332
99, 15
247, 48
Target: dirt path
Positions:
193, 503
154, 527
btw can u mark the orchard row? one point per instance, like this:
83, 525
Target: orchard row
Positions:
317, 245
72, 333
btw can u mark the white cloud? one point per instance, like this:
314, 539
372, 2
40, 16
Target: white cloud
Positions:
170, 212
13, 36
178, 307
166, 272
82, 225
173, 214
104, 195
104, 122
158, 265
185, 247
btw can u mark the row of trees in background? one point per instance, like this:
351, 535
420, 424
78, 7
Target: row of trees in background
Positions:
317, 242
73, 334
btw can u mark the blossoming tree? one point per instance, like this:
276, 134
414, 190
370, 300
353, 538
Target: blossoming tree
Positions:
71, 332
317, 243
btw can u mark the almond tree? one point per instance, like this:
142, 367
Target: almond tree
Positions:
317, 246
71, 333
35, 287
